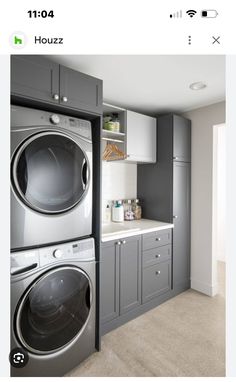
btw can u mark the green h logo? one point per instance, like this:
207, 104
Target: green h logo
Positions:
17, 40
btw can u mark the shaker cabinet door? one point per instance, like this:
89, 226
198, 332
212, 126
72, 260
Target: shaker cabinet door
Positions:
109, 282
35, 77
130, 273
141, 138
181, 231
181, 139
80, 91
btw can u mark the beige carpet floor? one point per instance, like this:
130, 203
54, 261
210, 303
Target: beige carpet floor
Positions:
183, 337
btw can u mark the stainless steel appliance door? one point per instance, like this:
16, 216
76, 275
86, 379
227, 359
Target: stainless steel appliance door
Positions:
50, 172
54, 310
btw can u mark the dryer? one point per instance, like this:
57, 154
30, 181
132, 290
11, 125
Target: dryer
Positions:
53, 307
51, 178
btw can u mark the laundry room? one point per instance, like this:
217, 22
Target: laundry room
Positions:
118, 215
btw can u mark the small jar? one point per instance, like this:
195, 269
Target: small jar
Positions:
137, 210
129, 215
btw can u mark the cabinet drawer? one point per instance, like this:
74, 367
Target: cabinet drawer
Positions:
156, 280
156, 239
156, 256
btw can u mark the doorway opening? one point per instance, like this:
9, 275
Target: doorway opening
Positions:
219, 208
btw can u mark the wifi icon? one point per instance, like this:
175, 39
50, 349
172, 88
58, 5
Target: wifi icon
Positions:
191, 12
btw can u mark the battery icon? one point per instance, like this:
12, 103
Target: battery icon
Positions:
209, 13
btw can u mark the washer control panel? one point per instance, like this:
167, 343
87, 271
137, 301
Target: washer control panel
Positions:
27, 261
81, 250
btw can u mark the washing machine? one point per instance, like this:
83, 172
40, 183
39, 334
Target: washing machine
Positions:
51, 178
53, 307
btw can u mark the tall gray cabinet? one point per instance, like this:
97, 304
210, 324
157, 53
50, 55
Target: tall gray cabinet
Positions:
164, 190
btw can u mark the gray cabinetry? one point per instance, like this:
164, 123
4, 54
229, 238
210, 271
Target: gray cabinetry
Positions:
134, 279
37, 78
181, 232
130, 274
120, 277
156, 264
181, 138
156, 280
164, 189
80, 91
109, 281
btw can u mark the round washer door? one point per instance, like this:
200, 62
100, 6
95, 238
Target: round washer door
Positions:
50, 172
54, 310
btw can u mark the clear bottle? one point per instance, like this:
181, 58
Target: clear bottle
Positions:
137, 210
129, 215
108, 214
116, 121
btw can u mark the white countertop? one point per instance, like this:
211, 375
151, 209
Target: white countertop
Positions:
113, 231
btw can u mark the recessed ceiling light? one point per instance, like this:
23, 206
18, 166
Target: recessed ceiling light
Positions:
198, 86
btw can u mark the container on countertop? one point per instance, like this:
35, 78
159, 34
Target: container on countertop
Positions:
128, 213
137, 210
118, 212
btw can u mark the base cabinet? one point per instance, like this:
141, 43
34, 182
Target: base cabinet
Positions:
156, 280
120, 277
134, 272
130, 274
109, 285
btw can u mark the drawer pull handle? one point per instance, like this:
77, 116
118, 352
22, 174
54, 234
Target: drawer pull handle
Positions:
123, 242
157, 256
158, 238
118, 243
158, 272
64, 99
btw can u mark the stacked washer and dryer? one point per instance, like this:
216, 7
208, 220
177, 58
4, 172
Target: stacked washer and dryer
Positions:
52, 251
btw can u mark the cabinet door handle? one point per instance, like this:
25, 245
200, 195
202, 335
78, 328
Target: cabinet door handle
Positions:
158, 272
64, 99
55, 97
123, 242
158, 238
158, 256
118, 243
175, 158
175, 217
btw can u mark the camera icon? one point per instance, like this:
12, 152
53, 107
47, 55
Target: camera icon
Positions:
18, 358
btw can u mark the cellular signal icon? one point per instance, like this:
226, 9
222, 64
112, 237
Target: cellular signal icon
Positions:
177, 15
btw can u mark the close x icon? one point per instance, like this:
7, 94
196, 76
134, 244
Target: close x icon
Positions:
216, 40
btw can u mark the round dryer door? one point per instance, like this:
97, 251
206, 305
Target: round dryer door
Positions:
50, 172
54, 310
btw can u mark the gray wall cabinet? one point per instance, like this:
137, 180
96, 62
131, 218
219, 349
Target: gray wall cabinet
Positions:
82, 91
164, 190
37, 78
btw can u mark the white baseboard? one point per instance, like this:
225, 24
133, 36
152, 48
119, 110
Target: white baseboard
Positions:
209, 290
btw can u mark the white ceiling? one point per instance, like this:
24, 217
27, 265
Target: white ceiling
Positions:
154, 84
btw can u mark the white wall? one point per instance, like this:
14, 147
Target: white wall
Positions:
119, 181
203, 271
